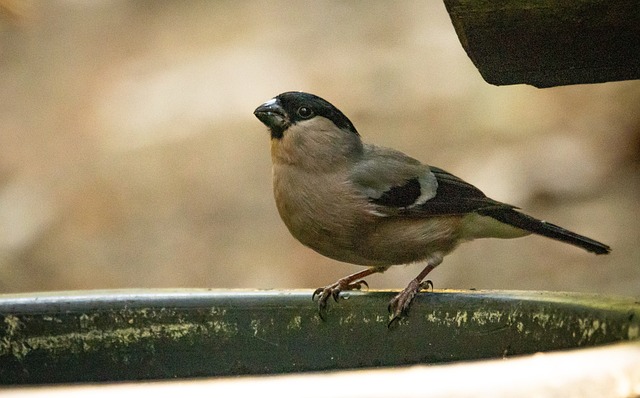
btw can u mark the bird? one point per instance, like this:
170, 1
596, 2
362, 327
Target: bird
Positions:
374, 206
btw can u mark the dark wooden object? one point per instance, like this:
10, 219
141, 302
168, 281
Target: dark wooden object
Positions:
548, 43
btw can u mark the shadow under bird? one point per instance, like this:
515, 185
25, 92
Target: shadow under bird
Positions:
374, 206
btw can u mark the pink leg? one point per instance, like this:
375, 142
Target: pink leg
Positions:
351, 282
400, 304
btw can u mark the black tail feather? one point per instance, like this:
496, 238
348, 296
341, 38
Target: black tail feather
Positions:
528, 223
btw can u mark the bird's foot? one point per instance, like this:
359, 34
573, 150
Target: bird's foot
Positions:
400, 304
333, 291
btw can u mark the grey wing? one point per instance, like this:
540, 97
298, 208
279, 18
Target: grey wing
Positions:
392, 180
401, 186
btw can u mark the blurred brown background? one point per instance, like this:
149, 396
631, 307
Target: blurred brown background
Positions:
129, 155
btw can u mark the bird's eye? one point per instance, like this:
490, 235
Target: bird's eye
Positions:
305, 112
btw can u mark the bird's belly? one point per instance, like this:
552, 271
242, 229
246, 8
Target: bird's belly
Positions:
371, 240
403, 241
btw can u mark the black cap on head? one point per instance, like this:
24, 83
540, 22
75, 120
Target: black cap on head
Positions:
301, 106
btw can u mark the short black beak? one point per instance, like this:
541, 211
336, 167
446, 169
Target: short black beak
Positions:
273, 116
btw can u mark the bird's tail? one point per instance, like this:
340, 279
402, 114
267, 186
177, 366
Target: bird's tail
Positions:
528, 223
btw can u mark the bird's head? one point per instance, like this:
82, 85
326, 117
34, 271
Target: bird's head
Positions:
303, 124
296, 107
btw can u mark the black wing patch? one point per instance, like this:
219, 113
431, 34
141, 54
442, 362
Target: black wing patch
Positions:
453, 196
401, 195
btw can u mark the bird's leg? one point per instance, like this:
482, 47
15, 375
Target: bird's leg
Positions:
351, 282
399, 305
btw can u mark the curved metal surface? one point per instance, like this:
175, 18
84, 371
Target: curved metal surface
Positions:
161, 334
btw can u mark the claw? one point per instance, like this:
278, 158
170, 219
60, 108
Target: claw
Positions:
426, 285
316, 293
323, 294
351, 282
393, 322
333, 291
400, 304
358, 284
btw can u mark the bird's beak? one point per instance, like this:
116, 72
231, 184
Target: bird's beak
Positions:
273, 116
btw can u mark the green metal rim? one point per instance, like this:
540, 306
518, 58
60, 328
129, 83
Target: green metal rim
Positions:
90, 336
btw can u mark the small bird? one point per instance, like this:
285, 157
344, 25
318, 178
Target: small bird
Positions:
368, 205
